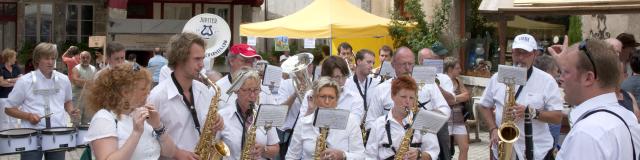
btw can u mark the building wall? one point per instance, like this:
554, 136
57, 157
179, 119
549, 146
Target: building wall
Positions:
611, 25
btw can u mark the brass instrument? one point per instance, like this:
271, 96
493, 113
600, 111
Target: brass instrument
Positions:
250, 138
321, 142
508, 131
296, 67
408, 134
207, 147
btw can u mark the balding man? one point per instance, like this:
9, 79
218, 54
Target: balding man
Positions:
429, 95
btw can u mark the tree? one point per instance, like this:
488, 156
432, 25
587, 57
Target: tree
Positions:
409, 27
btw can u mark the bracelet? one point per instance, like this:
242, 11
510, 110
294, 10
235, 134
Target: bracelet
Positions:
158, 132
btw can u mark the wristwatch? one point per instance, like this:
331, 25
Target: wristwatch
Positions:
158, 132
535, 113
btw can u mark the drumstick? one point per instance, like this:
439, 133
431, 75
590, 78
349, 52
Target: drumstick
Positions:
45, 116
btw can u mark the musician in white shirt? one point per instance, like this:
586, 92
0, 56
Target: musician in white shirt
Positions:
540, 93
429, 96
239, 116
336, 68
182, 101
601, 128
42, 98
341, 144
240, 55
361, 81
388, 131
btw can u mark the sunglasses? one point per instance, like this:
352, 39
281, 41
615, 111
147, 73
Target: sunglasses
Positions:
583, 47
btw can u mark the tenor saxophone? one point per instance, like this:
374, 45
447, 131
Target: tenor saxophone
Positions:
207, 147
321, 142
250, 138
508, 131
408, 134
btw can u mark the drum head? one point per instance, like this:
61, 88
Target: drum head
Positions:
17, 133
58, 130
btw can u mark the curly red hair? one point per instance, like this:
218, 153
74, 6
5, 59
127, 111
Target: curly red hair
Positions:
105, 92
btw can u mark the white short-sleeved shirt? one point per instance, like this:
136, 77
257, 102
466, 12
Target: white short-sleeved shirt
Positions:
285, 90
366, 88
601, 135
303, 142
446, 83
165, 73
348, 101
23, 96
540, 92
225, 84
376, 148
174, 112
233, 132
382, 103
103, 125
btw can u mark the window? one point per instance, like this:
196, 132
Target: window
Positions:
218, 9
177, 11
79, 23
38, 22
8, 25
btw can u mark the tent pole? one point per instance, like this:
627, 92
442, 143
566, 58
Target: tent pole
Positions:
266, 13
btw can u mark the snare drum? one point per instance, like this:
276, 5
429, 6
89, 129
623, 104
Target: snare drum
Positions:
82, 131
18, 140
58, 138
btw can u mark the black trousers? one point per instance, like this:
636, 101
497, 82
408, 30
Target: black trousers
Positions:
444, 141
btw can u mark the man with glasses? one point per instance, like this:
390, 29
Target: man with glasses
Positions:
182, 101
429, 95
540, 94
601, 127
240, 55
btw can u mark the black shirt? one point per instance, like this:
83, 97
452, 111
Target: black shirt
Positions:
6, 74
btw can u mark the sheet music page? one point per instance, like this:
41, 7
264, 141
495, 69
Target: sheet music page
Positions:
387, 69
438, 63
332, 118
429, 121
424, 74
271, 114
512, 75
272, 75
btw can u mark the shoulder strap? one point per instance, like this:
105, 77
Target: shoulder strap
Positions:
612, 113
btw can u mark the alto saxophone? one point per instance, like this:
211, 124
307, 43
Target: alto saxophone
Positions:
321, 142
508, 131
207, 147
408, 135
250, 138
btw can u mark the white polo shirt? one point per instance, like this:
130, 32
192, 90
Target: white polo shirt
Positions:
364, 89
233, 131
348, 101
174, 112
378, 139
601, 135
28, 96
303, 142
540, 92
286, 89
382, 102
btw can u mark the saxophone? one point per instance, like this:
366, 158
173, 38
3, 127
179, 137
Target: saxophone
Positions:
321, 142
250, 138
207, 147
508, 131
408, 135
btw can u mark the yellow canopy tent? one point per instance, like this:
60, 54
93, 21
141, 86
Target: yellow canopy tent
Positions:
336, 19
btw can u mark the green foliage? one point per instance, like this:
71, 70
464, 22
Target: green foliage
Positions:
422, 34
477, 22
575, 29
25, 53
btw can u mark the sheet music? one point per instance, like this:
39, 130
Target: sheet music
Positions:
424, 74
512, 75
438, 63
271, 114
387, 69
272, 75
332, 118
429, 121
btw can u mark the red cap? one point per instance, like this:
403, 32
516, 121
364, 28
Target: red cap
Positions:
244, 50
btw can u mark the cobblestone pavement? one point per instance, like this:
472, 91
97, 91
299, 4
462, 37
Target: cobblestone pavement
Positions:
477, 150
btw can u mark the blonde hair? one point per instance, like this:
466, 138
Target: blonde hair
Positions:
43, 50
179, 46
105, 92
605, 60
6, 54
323, 82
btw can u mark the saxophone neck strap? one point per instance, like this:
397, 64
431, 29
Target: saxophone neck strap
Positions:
188, 102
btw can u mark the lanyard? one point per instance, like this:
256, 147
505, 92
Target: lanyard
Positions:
366, 86
189, 104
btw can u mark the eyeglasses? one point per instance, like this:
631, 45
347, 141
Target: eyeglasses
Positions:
250, 90
583, 47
